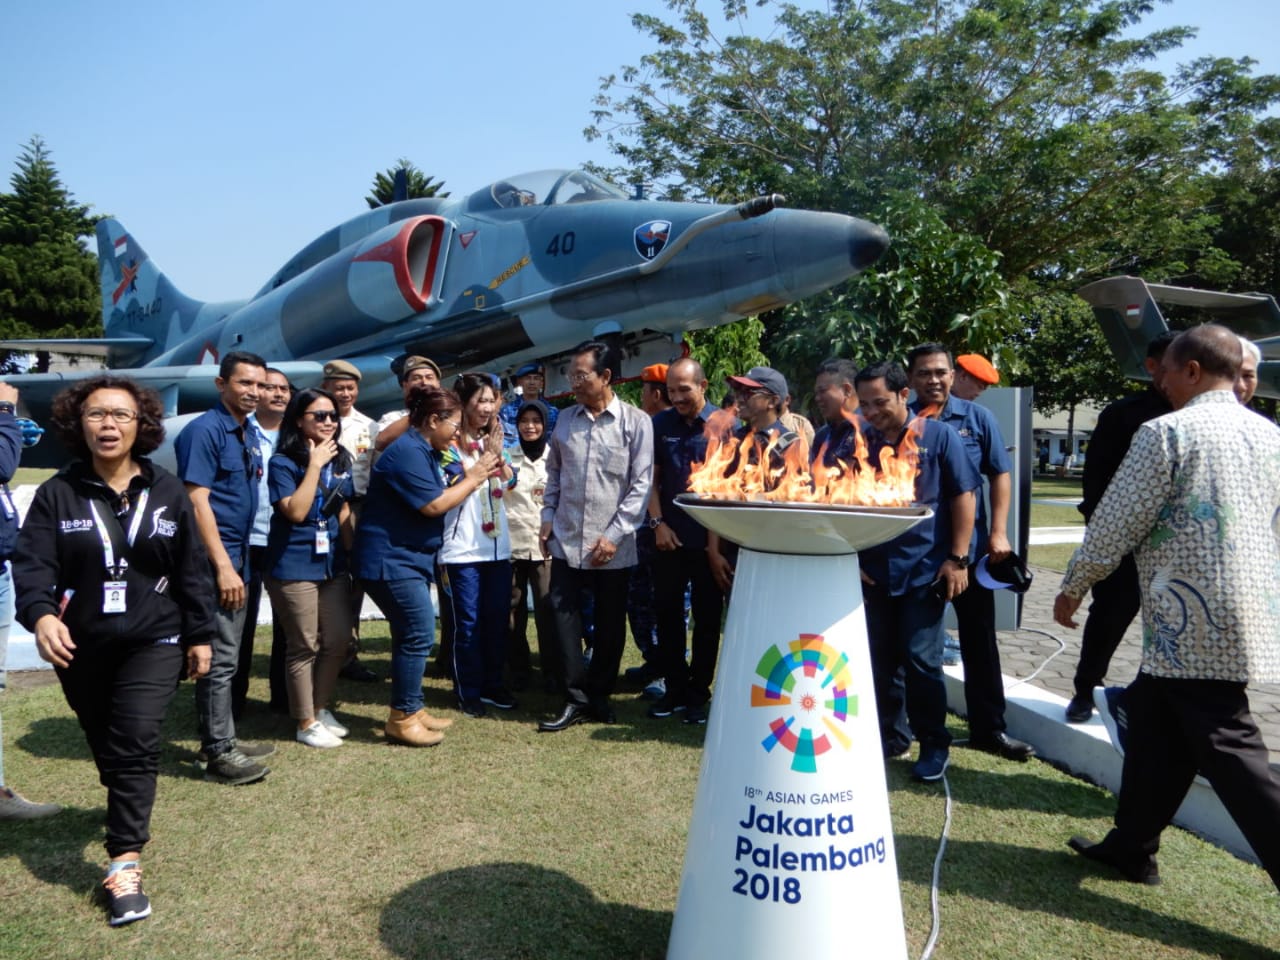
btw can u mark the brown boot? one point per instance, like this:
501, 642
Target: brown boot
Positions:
433, 723
405, 728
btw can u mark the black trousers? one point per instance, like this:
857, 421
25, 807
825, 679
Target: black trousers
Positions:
594, 683
244, 667
535, 576
120, 691
1116, 601
1176, 729
689, 682
983, 683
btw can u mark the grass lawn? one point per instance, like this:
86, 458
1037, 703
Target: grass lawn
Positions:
504, 843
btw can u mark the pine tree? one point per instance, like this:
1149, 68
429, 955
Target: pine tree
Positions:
48, 276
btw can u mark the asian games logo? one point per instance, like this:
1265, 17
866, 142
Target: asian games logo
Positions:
808, 691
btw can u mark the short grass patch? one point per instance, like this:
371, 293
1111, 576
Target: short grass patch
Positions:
506, 843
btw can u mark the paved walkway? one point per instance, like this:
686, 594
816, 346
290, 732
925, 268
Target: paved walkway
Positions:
1024, 650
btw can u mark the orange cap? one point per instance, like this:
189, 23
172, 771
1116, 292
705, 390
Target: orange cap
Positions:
978, 367
654, 373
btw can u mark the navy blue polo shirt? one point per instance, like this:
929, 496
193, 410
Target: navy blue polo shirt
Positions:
291, 547
677, 446
212, 453
912, 559
394, 541
980, 431
839, 440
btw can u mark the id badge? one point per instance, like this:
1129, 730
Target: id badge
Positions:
113, 592
322, 540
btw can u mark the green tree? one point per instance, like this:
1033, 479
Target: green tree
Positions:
726, 351
1065, 358
420, 186
48, 278
1032, 136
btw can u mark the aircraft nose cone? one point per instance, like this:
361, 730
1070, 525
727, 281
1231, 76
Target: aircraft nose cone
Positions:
867, 243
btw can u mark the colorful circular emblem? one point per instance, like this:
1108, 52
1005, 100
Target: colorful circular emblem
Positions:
809, 688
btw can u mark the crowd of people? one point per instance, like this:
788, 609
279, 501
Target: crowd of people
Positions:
470, 511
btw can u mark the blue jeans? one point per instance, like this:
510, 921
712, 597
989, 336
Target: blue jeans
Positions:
213, 691
407, 606
906, 638
480, 597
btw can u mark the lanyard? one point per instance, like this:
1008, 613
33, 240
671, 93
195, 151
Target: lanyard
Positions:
322, 493
108, 551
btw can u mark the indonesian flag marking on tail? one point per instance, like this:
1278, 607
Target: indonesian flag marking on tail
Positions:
122, 246
1132, 310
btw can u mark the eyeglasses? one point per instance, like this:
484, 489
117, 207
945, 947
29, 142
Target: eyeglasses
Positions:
577, 378
320, 416
453, 423
119, 415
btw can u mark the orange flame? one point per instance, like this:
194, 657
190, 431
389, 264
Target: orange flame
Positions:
746, 469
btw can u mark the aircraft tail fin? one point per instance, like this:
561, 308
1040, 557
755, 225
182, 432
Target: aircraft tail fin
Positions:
1129, 317
138, 301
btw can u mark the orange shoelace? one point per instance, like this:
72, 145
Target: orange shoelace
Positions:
124, 882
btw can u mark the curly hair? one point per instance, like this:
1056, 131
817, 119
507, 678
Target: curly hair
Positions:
425, 401
68, 406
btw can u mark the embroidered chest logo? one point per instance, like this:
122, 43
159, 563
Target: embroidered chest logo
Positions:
75, 526
160, 527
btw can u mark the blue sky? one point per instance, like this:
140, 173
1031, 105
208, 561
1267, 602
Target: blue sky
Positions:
227, 136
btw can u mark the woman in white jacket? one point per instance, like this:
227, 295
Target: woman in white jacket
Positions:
530, 571
476, 553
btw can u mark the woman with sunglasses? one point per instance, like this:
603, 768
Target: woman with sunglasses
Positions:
309, 479
400, 532
112, 578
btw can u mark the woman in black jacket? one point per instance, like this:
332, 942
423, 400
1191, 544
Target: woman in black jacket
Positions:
112, 579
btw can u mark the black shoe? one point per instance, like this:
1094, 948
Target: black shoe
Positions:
473, 708
1003, 745
499, 699
665, 708
1140, 869
601, 712
574, 713
695, 715
1080, 709
357, 671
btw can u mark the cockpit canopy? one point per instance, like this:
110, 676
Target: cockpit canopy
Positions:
545, 188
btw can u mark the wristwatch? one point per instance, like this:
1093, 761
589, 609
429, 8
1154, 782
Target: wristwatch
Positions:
958, 560
7, 407
654, 522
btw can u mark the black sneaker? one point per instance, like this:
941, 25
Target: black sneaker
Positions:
125, 899
473, 708
234, 768
499, 699
695, 715
665, 708
254, 751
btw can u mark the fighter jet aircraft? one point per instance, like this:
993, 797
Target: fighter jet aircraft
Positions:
1126, 309
522, 269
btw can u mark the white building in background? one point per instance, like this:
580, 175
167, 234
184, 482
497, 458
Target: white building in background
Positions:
1049, 436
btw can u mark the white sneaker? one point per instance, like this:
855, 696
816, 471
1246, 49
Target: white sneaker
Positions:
318, 735
331, 723
14, 806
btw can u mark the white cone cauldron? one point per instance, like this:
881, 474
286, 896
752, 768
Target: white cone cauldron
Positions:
791, 847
